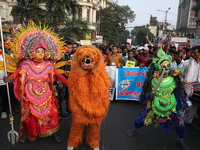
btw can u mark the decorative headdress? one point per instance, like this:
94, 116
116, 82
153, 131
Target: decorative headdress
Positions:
29, 37
161, 56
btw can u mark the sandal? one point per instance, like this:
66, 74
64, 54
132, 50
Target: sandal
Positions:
194, 126
56, 138
132, 132
22, 139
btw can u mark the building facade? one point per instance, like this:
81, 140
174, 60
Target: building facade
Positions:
89, 9
5, 10
186, 20
158, 29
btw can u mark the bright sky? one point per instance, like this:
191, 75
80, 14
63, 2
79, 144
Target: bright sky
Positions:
145, 8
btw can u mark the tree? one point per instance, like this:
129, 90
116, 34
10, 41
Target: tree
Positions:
139, 33
51, 11
124, 36
75, 27
112, 21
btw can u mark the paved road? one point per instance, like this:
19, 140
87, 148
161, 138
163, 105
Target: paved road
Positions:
117, 122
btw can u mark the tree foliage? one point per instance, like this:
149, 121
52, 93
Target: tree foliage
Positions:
112, 21
52, 12
75, 27
139, 33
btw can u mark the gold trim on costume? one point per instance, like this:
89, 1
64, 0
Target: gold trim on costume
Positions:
27, 113
31, 139
49, 132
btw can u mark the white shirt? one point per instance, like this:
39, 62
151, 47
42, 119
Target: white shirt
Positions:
196, 70
174, 64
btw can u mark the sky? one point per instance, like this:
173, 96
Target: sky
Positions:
145, 8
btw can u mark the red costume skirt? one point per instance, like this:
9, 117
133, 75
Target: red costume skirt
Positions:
33, 128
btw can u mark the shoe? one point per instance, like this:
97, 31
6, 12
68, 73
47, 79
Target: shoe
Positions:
182, 145
56, 138
68, 112
4, 115
132, 132
63, 116
22, 139
70, 148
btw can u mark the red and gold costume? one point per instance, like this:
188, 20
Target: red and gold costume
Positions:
39, 113
38, 48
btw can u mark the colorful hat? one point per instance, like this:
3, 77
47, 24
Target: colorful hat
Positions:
31, 36
161, 56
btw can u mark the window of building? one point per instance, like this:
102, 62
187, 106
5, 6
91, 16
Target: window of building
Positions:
17, 19
192, 10
194, 3
88, 15
79, 14
192, 23
191, 16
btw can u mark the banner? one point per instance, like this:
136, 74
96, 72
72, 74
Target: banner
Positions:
129, 41
129, 82
112, 74
85, 42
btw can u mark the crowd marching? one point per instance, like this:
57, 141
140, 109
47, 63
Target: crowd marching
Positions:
186, 59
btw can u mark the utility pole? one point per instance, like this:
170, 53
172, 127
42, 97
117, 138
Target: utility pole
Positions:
165, 25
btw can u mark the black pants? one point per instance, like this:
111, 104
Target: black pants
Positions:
63, 95
4, 96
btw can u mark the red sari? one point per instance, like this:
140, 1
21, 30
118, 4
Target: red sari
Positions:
34, 87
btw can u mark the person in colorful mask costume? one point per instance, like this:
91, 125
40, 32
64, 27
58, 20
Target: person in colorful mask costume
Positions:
163, 95
34, 81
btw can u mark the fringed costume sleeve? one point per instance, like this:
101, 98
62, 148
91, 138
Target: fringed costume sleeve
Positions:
61, 77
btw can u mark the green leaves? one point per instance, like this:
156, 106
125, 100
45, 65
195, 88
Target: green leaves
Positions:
112, 21
75, 27
52, 12
140, 33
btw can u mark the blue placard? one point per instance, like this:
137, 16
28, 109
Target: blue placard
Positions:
129, 82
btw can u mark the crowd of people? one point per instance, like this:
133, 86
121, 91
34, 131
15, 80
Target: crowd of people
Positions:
186, 60
124, 55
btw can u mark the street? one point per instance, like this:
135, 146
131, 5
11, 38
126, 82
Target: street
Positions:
113, 133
